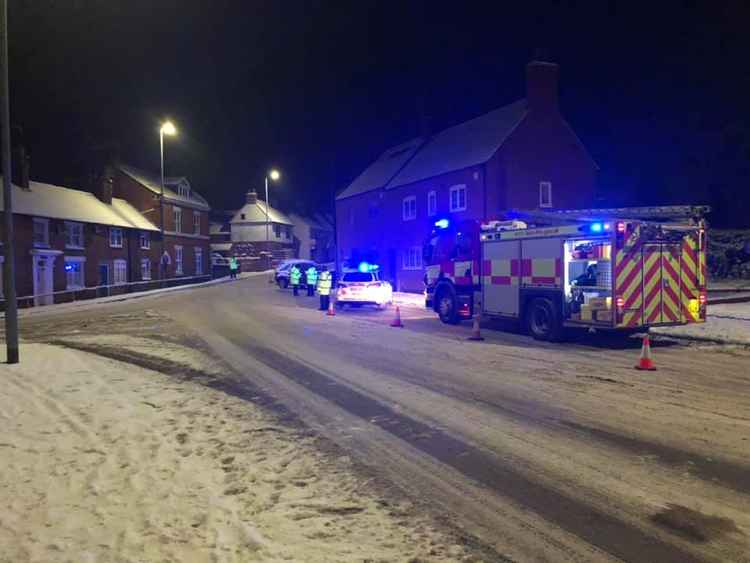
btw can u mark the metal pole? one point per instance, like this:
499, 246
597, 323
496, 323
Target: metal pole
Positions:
266, 211
9, 271
162, 266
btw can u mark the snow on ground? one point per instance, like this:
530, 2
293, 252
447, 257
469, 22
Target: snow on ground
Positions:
415, 300
728, 323
104, 461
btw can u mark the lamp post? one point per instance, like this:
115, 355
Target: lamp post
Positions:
167, 128
274, 175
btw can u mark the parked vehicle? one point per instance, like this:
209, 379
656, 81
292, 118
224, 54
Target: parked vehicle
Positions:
281, 274
603, 269
359, 288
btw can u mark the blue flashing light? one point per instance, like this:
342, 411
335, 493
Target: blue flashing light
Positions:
68, 268
597, 227
442, 223
366, 267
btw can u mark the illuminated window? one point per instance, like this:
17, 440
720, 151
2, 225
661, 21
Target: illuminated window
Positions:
178, 260
412, 258
545, 194
409, 208
115, 237
196, 222
177, 215
431, 203
198, 261
458, 198
120, 272
41, 232
73, 235
145, 240
74, 271
145, 269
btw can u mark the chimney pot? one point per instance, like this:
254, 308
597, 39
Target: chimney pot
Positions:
541, 86
252, 197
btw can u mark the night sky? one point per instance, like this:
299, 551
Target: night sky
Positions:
658, 95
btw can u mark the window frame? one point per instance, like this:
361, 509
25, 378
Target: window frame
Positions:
196, 222
179, 260
144, 237
40, 221
80, 261
432, 197
115, 241
198, 253
411, 202
68, 226
542, 185
119, 265
177, 212
457, 189
277, 230
146, 261
411, 259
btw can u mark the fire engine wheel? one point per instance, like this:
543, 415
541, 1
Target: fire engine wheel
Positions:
446, 307
542, 320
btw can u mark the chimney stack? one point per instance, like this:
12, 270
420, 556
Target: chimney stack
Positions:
104, 186
541, 84
252, 197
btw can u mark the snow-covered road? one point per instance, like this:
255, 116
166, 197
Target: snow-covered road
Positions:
543, 451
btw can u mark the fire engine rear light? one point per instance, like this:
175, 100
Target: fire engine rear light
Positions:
620, 227
703, 298
620, 303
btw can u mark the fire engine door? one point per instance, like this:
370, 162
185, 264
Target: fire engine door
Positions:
661, 283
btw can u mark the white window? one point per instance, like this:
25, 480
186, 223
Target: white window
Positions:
115, 237
409, 208
458, 198
198, 261
41, 231
145, 269
183, 191
431, 203
177, 214
120, 272
145, 240
73, 235
412, 258
74, 271
178, 260
196, 222
545, 194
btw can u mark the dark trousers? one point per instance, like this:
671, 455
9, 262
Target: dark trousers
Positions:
310, 289
325, 301
295, 289
232, 273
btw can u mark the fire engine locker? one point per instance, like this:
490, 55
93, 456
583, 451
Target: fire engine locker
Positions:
501, 277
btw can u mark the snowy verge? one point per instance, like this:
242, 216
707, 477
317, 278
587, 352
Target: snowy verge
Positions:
86, 303
107, 461
727, 324
415, 300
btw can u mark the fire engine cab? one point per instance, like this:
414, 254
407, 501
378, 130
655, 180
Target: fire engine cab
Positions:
611, 269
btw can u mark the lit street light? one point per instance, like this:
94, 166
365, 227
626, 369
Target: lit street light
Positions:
274, 175
167, 128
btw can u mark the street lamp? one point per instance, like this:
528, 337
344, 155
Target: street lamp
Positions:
167, 128
274, 175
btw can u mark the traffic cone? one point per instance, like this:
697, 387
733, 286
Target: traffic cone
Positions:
645, 363
396, 322
331, 310
475, 334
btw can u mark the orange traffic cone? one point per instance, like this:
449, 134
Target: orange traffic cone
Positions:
645, 362
331, 310
396, 322
475, 334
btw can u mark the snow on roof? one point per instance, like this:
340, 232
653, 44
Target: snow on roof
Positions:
56, 202
380, 172
466, 144
256, 213
315, 221
153, 184
216, 228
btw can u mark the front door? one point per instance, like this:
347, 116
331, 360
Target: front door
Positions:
661, 283
103, 274
43, 288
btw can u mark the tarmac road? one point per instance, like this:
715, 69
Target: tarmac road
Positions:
545, 452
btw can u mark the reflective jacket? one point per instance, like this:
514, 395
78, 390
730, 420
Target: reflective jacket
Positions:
312, 275
233, 265
294, 275
324, 283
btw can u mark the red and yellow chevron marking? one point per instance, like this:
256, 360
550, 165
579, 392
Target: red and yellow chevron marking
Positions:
692, 261
629, 279
670, 271
652, 284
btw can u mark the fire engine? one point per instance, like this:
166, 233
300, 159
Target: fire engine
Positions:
624, 269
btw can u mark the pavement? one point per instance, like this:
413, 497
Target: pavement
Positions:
536, 451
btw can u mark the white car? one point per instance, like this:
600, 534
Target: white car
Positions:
363, 288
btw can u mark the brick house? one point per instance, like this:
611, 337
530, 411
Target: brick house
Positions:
68, 240
252, 228
186, 230
520, 156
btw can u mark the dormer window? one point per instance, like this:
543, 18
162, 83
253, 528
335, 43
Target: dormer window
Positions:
183, 191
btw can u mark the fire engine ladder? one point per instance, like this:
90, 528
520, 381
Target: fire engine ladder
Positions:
661, 213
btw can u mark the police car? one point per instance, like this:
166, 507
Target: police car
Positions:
281, 275
363, 287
